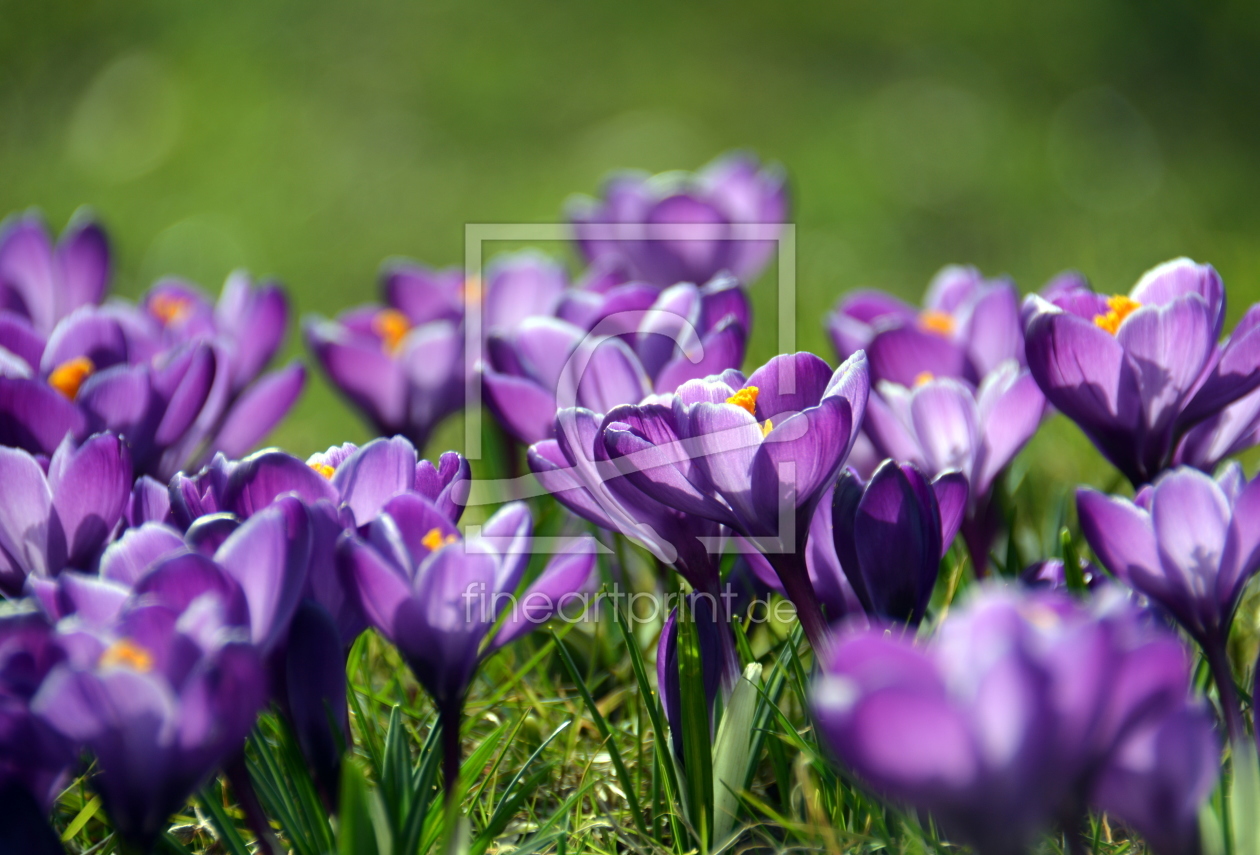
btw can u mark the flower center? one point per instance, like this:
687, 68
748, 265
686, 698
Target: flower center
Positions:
746, 398
433, 540
923, 378
392, 326
1119, 307
169, 309
936, 321
470, 291
323, 469
67, 377
125, 653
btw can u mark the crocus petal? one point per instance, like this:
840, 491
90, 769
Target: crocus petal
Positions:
1172, 280
369, 477
1169, 346
259, 409
126, 559
268, 556
25, 518
91, 487
898, 542
992, 330
1010, 407
1121, 534
951, 498
565, 574
316, 681
34, 415
88, 333
903, 354
258, 480
790, 383
947, 423
256, 319
810, 444
26, 268
378, 587
524, 408
364, 372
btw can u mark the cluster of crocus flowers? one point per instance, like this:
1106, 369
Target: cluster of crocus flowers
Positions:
1137, 372
680, 227
1022, 713
179, 378
949, 387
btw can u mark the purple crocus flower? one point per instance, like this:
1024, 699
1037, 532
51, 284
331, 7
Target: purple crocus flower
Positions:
61, 513
891, 534
726, 218
942, 424
1190, 543
1021, 713
84, 380
33, 757
400, 364
755, 455
1234, 429
165, 651
614, 348
42, 282
246, 327
967, 328
436, 596
1136, 372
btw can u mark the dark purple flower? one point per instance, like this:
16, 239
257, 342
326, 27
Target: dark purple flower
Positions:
680, 227
43, 283
601, 350
1015, 718
705, 612
164, 670
62, 517
755, 455
891, 533
1136, 372
1234, 429
400, 364
33, 757
967, 328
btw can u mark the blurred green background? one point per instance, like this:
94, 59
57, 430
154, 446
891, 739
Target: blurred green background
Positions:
311, 140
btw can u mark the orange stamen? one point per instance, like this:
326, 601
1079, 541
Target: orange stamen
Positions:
67, 377
1119, 307
746, 398
936, 321
323, 469
766, 427
470, 291
125, 653
923, 377
433, 540
392, 326
169, 309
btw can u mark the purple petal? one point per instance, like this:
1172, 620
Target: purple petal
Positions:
268, 556
258, 480
947, 423
951, 498
1010, 407
992, 330
1120, 533
565, 574
1175, 279
34, 415
369, 377
521, 285
25, 519
1168, 346
84, 258
259, 410
723, 348
377, 471
904, 354
89, 333
525, 409
378, 587
26, 270
126, 559
789, 384
91, 488
255, 319
422, 293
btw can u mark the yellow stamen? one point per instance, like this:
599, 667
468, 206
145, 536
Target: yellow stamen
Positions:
67, 377
766, 427
923, 377
323, 469
169, 309
433, 541
746, 398
1119, 307
936, 321
470, 291
392, 326
125, 653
